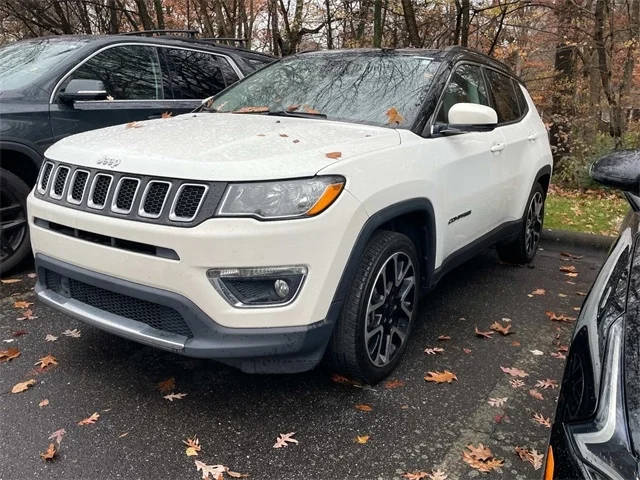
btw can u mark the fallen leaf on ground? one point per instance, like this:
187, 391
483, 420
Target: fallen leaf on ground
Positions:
483, 334
415, 475
441, 377
28, 315
22, 304
193, 446
44, 403
167, 385
515, 343
538, 417
394, 117
437, 475
22, 386
45, 361
175, 396
19, 333
393, 383
466, 350
568, 268
547, 383
562, 295
333, 155
50, 338
444, 337
433, 351
57, 435
533, 457
516, 383
75, 333
363, 407
563, 348
559, 318
497, 402
362, 439
572, 275
9, 354
537, 352
514, 372
536, 394
337, 378
282, 440
571, 255
49, 453
9, 281
215, 472
558, 355
539, 291
236, 474
90, 420
581, 294
481, 458
498, 327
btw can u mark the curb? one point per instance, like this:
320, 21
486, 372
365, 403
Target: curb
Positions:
578, 239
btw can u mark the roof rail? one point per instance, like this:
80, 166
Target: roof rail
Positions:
191, 34
228, 40
148, 33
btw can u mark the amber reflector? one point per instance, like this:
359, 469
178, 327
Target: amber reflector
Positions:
548, 471
328, 196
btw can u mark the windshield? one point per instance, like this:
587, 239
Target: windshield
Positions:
378, 88
23, 62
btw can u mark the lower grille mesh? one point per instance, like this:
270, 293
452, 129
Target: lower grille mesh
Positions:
156, 316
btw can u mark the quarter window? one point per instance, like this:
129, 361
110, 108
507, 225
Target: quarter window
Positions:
129, 72
465, 86
194, 75
504, 97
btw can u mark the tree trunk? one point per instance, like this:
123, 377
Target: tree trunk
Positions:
377, 23
464, 30
159, 13
410, 20
329, 28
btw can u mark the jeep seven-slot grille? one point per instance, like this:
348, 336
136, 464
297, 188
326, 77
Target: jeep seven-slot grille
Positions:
157, 316
136, 197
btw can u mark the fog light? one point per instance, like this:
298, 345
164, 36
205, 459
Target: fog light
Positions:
258, 286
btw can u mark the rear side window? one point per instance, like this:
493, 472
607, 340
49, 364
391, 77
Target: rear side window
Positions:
524, 107
504, 97
129, 72
465, 86
194, 75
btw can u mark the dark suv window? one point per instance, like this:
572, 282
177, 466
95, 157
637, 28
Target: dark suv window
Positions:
465, 86
504, 97
194, 75
129, 72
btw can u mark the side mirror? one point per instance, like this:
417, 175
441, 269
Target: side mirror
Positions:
467, 117
80, 89
620, 169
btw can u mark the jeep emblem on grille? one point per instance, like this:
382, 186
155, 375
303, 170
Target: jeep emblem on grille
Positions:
109, 162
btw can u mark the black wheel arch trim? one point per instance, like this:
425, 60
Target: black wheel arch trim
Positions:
31, 152
546, 170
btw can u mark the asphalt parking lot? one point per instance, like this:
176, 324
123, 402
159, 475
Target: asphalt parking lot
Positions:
412, 425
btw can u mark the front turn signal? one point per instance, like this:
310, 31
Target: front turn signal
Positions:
549, 467
329, 195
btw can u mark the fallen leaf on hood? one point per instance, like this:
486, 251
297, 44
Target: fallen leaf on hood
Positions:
28, 315
293, 108
363, 407
22, 386
193, 446
75, 333
45, 361
296, 141
498, 327
433, 351
44, 403
166, 115
333, 155
175, 396
393, 383
167, 385
22, 304
308, 109
441, 377
444, 338
539, 291
362, 439
9, 281
133, 125
481, 458
90, 420
547, 383
283, 438
533, 457
537, 352
516, 383
514, 372
50, 338
394, 117
483, 334
498, 402
57, 435
49, 453
9, 354
252, 110
284, 135
536, 394
538, 417
568, 268
559, 318
214, 472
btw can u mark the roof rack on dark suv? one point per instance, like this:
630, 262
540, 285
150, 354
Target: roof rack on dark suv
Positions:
190, 34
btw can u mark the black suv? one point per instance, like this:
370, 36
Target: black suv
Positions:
52, 87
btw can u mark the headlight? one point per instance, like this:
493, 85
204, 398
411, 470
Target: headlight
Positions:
304, 197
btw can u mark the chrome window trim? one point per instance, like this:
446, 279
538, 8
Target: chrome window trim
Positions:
141, 210
172, 215
70, 199
44, 167
90, 203
55, 91
52, 194
114, 206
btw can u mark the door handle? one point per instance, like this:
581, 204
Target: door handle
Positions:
498, 147
532, 137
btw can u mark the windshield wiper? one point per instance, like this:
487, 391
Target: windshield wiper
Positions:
286, 113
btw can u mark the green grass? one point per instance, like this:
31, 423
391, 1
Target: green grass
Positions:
591, 211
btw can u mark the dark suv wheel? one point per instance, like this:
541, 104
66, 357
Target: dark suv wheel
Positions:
379, 311
14, 231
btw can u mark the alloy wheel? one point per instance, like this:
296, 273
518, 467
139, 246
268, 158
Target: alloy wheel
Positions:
13, 224
392, 301
533, 226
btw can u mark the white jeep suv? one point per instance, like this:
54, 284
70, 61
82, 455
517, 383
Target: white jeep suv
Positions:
299, 214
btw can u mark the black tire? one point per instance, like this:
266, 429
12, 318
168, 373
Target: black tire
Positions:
523, 248
14, 231
348, 352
